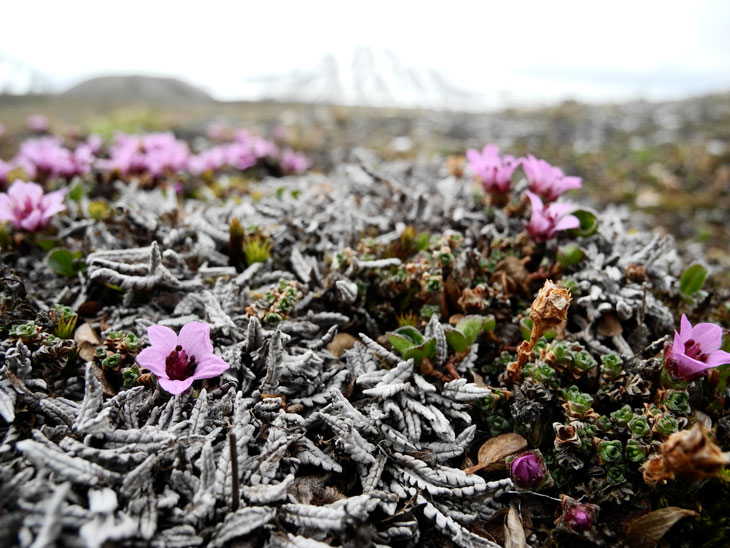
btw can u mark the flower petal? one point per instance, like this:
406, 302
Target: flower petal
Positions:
32, 221
685, 330
535, 202
678, 344
566, 222
717, 358
52, 203
20, 191
708, 335
687, 368
6, 208
175, 387
195, 340
152, 358
162, 337
210, 366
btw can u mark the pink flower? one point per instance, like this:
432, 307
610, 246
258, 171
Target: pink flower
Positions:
546, 180
495, 171
153, 153
546, 221
695, 350
46, 157
27, 208
294, 162
178, 360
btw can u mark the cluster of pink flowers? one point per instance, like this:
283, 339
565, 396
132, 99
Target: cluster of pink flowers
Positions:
46, 158
544, 182
153, 153
26, 207
246, 151
495, 172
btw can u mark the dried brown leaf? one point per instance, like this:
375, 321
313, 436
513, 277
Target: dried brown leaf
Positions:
341, 342
609, 325
647, 530
514, 533
495, 450
87, 341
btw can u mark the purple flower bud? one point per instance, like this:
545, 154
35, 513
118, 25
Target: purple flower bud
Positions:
527, 470
579, 517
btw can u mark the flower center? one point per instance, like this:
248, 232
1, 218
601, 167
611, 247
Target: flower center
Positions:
178, 366
692, 350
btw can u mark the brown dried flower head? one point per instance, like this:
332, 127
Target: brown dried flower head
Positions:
549, 310
687, 454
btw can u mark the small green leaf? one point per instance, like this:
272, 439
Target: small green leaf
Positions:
471, 326
411, 333
47, 245
61, 261
692, 280
456, 339
400, 343
425, 350
76, 192
570, 255
588, 222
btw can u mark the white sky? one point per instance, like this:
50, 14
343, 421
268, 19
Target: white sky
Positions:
514, 50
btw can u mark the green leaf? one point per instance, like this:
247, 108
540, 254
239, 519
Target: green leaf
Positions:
76, 192
570, 255
47, 245
411, 333
456, 339
588, 222
61, 261
425, 350
471, 326
692, 280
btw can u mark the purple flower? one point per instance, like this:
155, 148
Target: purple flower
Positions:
546, 180
546, 221
579, 517
153, 153
38, 123
294, 162
27, 208
178, 360
695, 350
46, 157
527, 470
495, 171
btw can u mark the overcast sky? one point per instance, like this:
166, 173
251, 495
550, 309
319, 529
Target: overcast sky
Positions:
539, 50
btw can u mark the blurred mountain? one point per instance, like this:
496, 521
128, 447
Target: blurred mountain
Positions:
18, 78
366, 77
137, 89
